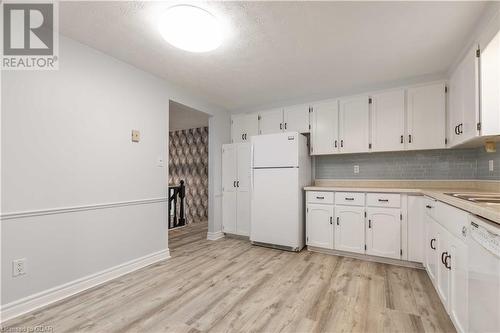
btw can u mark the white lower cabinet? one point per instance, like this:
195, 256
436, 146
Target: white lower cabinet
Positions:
350, 228
431, 248
383, 232
320, 226
447, 260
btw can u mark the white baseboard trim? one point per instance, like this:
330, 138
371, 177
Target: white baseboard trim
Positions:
38, 300
215, 235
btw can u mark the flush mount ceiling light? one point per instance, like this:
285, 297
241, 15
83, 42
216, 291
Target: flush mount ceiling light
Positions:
191, 28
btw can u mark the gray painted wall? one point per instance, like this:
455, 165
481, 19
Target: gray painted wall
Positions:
429, 164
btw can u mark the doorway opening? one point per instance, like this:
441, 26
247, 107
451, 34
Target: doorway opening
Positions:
188, 173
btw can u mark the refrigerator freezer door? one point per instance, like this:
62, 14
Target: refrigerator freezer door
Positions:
274, 208
276, 150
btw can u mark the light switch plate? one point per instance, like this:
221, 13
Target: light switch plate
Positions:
136, 136
491, 166
356, 169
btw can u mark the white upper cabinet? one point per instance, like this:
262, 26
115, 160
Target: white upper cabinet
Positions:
271, 121
388, 121
490, 87
426, 117
243, 126
354, 124
296, 118
325, 124
463, 110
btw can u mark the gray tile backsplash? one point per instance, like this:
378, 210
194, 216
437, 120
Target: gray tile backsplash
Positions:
428, 164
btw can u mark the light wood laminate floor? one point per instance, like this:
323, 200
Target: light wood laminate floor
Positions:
231, 286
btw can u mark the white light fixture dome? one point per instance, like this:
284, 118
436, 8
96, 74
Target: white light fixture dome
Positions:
191, 28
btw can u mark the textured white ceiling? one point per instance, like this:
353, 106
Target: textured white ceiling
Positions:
183, 117
280, 52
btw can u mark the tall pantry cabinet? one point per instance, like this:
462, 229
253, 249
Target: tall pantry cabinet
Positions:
236, 189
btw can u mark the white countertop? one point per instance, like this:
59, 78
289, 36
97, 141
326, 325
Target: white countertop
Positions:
490, 212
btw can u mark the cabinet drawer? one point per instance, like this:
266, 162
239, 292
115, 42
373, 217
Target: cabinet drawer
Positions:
429, 206
350, 198
392, 200
452, 219
320, 197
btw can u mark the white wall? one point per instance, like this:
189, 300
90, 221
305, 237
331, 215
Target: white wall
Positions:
65, 144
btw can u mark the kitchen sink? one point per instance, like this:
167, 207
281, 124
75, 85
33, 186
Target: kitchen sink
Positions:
484, 198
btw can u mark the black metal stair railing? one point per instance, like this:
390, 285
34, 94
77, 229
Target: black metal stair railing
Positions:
177, 192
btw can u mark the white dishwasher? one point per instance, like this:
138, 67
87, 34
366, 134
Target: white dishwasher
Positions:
484, 276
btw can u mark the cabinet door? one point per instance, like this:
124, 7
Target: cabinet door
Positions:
490, 87
463, 111
319, 225
243, 126
388, 121
238, 128
229, 167
271, 121
325, 122
455, 107
417, 242
443, 275
243, 189
458, 300
250, 125
296, 118
426, 117
229, 212
243, 167
229, 178
350, 229
243, 213
431, 248
383, 232
354, 125
470, 91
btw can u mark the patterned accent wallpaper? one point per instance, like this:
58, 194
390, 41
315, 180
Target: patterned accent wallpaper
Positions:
188, 161
425, 164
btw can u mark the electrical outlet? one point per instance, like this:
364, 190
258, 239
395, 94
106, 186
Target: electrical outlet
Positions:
18, 267
491, 166
136, 136
356, 169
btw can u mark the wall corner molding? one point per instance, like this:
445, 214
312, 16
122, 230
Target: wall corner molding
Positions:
49, 296
215, 235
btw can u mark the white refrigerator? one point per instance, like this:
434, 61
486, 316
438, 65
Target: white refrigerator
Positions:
281, 167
